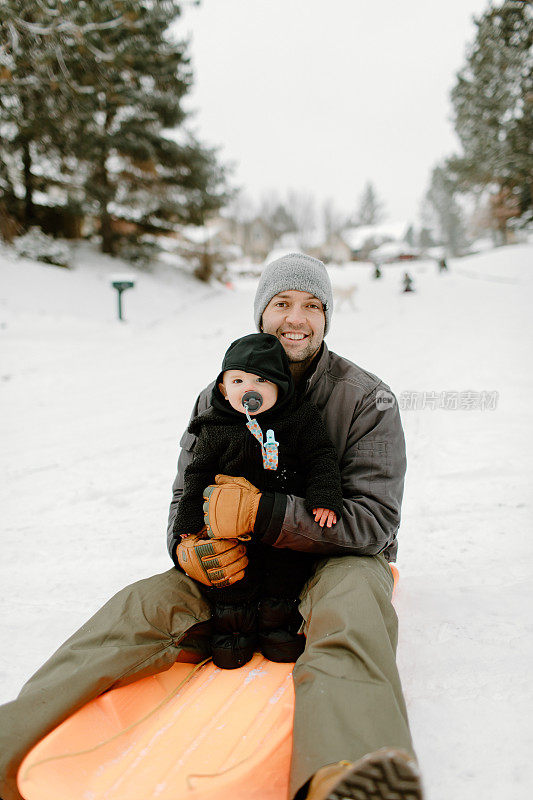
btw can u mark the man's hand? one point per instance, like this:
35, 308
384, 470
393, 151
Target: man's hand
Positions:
230, 508
213, 562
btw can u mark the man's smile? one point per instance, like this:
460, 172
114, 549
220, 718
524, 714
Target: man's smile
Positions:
294, 337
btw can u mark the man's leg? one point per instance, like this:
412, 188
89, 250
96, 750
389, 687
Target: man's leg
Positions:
135, 634
349, 700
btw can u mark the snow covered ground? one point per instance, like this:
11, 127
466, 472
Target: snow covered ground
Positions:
91, 414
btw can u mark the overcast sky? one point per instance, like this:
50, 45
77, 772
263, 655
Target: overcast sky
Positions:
324, 95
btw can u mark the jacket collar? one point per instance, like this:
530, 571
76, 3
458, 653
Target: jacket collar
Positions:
317, 369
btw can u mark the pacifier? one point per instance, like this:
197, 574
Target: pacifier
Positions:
252, 401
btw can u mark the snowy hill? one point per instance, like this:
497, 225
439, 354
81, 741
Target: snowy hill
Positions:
92, 412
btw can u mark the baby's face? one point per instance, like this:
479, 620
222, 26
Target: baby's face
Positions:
235, 382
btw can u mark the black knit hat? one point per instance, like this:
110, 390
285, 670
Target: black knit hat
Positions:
261, 354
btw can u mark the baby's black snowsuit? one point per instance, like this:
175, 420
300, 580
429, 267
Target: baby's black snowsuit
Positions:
261, 609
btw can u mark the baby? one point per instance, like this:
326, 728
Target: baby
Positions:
258, 429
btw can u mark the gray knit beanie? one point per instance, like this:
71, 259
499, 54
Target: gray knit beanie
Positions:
294, 271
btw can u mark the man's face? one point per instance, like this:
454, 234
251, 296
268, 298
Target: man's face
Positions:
297, 319
235, 382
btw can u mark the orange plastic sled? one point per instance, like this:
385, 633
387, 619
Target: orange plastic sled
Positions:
173, 735
190, 733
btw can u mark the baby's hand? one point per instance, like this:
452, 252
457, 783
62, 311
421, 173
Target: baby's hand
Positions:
325, 517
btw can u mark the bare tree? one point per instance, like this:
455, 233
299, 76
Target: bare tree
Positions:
303, 210
334, 221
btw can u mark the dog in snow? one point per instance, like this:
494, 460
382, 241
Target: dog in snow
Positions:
343, 295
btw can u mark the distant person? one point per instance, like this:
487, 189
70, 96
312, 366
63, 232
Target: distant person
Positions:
260, 609
377, 272
407, 283
443, 266
351, 735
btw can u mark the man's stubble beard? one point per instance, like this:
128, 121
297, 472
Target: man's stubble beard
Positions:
306, 355
299, 365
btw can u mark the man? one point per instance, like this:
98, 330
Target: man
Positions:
351, 734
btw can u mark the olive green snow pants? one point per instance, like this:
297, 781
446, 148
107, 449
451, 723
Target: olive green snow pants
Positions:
348, 696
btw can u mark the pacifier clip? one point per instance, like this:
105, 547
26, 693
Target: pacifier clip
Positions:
269, 448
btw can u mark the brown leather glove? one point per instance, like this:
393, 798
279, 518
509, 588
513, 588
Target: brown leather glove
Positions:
230, 508
210, 561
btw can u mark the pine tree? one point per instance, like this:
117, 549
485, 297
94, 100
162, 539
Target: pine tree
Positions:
29, 111
425, 239
441, 196
333, 220
493, 104
370, 210
115, 79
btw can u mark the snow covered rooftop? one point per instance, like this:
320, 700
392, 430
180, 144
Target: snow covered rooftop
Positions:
356, 238
392, 250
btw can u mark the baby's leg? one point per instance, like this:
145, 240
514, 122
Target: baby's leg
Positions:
285, 573
234, 620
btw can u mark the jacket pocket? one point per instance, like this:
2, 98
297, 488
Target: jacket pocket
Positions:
380, 448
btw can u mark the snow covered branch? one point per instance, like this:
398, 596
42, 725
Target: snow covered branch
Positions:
67, 26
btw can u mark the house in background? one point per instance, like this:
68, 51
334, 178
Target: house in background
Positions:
365, 238
224, 239
335, 250
394, 251
253, 237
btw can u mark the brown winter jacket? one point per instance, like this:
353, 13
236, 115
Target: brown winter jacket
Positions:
363, 422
